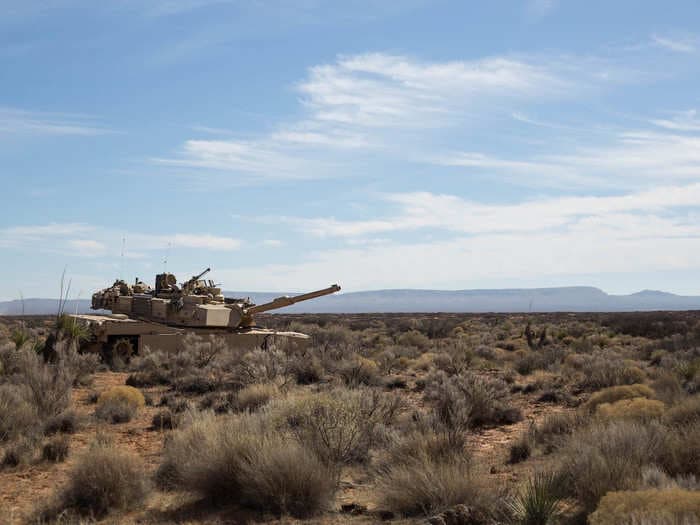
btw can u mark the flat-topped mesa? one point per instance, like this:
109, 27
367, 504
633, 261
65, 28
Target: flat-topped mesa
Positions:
197, 303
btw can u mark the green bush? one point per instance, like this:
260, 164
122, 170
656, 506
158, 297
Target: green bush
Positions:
539, 502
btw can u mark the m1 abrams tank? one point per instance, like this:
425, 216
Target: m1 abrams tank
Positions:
160, 317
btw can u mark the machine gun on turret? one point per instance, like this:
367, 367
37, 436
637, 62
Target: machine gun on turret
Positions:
195, 282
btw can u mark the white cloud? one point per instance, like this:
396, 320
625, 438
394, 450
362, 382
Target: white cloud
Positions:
273, 243
381, 90
680, 121
362, 101
21, 122
686, 44
448, 212
621, 161
86, 240
87, 247
462, 262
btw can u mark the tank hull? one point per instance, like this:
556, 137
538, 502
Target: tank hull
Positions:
106, 330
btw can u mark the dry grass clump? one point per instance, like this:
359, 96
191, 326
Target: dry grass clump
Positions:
609, 456
254, 396
21, 451
102, 480
56, 449
671, 506
17, 415
617, 393
119, 404
470, 400
358, 371
638, 408
339, 426
241, 459
424, 474
684, 413
603, 369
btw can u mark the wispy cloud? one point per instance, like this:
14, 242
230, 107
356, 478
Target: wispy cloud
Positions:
680, 121
78, 239
681, 44
360, 102
448, 212
613, 160
21, 122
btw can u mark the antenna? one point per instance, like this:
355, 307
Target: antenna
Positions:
165, 259
121, 261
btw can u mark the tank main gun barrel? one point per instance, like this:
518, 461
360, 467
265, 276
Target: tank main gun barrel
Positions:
283, 301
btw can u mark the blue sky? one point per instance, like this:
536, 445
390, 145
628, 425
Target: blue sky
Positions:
291, 144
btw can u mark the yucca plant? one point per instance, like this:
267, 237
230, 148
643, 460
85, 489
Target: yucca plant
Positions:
20, 337
538, 502
71, 328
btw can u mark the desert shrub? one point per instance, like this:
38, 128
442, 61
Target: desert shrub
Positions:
339, 426
254, 396
359, 371
264, 366
521, 449
424, 361
49, 384
115, 411
17, 416
307, 370
470, 400
648, 506
163, 420
414, 338
148, 378
685, 412
127, 394
607, 457
555, 429
668, 388
423, 485
103, 479
617, 393
244, 460
19, 452
539, 502
423, 441
65, 423
540, 359
56, 449
603, 369
681, 454
636, 408
196, 382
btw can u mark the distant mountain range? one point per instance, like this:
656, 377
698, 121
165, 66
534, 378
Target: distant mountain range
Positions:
563, 299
